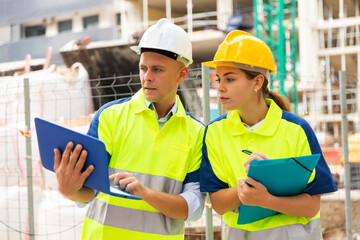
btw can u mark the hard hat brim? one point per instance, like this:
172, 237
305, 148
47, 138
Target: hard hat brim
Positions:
136, 49
210, 64
215, 64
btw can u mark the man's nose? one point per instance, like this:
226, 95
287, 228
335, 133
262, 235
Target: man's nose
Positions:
148, 76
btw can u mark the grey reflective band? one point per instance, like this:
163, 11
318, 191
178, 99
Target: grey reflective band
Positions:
135, 219
143, 221
310, 231
156, 182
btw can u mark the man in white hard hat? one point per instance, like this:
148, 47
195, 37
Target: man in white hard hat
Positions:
154, 150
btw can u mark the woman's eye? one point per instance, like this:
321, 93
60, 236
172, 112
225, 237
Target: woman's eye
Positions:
230, 79
217, 80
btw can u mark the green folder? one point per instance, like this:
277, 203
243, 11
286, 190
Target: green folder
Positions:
281, 177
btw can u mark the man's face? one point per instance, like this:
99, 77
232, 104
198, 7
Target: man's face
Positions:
160, 77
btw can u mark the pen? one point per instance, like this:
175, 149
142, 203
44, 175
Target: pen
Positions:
246, 151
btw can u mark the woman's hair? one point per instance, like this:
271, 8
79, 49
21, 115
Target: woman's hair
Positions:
280, 100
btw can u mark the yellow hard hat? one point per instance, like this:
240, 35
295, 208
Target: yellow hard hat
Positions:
244, 48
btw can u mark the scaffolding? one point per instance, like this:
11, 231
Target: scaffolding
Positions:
275, 24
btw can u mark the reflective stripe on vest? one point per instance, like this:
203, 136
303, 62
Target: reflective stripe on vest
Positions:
159, 183
93, 230
278, 220
309, 231
134, 219
137, 215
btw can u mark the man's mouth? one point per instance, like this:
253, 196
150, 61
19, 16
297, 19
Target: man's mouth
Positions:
150, 88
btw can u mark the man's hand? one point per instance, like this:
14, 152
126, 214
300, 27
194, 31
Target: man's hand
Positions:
68, 169
171, 205
129, 183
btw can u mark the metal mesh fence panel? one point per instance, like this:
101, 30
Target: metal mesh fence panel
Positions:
57, 97
320, 104
71, 99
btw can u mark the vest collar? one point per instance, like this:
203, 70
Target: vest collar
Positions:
138, 105
267, 128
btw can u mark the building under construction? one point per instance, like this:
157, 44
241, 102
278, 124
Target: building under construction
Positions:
312, 40
329, 42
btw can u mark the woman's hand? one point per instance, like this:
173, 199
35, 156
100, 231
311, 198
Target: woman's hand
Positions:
303, 205
251, 192
254, 156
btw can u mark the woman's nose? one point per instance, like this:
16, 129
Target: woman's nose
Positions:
220, 87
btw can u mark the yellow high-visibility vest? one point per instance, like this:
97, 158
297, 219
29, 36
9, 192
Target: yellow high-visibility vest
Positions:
163, 160
282, 134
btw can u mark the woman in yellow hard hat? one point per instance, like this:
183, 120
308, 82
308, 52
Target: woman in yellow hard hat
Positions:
259, 121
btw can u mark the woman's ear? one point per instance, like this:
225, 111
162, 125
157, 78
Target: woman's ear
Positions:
259, 81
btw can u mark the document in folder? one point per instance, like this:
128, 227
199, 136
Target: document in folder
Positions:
281, 177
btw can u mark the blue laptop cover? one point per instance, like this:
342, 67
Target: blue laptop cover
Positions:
50, 136
281, 177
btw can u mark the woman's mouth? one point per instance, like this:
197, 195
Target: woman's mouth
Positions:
223, 99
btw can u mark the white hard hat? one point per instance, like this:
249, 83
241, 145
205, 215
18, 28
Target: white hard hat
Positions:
166, 37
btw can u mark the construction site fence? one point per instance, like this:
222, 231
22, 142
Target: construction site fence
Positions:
32, 208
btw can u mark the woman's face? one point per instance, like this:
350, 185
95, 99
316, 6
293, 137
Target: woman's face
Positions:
235, 90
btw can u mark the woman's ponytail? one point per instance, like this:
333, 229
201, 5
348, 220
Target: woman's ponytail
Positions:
280, 100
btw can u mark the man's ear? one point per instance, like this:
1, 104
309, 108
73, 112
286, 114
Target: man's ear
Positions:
183, 72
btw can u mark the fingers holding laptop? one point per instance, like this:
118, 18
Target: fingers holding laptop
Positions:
68, 166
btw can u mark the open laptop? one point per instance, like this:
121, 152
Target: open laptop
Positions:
52, 136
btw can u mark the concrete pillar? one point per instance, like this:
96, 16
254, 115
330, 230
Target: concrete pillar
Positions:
328, 85
357, 120
106, 17
168, 9
224, 12
308, 40
189, 7
308, 52
342, 35
15, 32
145, 14
51, 27
77, 23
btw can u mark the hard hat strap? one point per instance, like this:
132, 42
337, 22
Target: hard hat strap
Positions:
160, 51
